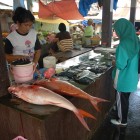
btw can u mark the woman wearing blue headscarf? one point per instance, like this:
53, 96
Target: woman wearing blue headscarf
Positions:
125, 74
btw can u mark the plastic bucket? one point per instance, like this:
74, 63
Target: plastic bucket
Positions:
49, 62
22, 73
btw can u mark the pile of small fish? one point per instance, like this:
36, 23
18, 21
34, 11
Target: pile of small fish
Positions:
49, 92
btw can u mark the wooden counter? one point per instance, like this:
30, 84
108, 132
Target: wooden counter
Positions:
70, 54
53, 123
62, 56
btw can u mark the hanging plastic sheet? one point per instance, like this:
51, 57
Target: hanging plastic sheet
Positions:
96, 21
18, 3
115, 4
84, 6
65, 9
29, 5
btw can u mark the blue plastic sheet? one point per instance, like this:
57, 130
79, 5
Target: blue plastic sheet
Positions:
115, 4
84, 6
39, 73
96, 21
18, 3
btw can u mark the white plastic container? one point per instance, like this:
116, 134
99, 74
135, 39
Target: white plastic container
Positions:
49, 62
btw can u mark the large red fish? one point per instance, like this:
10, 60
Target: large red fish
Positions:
65, 88
42, 96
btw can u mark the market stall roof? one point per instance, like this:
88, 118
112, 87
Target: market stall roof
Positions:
51, 20
65, 9
122, 11
93, 8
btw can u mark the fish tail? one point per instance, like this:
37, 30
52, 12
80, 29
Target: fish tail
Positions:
81, 114
95, 104
94, 101
86, 114
81, 119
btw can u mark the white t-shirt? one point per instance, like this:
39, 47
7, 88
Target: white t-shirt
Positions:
23, 44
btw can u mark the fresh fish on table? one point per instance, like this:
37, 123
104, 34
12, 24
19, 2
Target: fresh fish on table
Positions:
65, 88
41, 96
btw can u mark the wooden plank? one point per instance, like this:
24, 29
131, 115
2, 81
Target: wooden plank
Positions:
133, 11
34, 128
10, 123
107, 22
14, 123
4, 79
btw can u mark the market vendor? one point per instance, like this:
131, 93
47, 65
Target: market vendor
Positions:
88, 31
62, 40
23, 42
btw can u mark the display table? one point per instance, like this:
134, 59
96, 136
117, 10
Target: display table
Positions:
53, 123
62, 56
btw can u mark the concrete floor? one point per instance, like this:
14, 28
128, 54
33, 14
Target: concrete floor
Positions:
108, 131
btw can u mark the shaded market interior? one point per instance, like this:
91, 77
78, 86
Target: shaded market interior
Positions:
19, 112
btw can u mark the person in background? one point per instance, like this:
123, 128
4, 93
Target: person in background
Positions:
88, 31
22, 43
125, 73
73, 30
62, 40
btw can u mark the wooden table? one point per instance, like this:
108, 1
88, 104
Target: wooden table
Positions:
62, 56
53, 123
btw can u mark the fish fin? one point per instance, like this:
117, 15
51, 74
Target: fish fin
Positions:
95, 104
100, 99
86, 114
81, 119
95, 100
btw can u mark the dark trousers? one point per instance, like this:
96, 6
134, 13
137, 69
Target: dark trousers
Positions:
122, 105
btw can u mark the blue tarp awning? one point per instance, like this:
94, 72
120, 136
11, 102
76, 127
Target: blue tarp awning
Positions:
96, 21
84, 6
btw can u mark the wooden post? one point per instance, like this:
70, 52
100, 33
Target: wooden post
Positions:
107, 22
133, 11
4, 79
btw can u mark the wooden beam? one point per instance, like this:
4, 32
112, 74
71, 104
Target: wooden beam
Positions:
133, 11
107, 22
4, 79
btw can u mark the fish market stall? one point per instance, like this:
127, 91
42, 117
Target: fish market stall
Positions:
62, 56
90, 72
